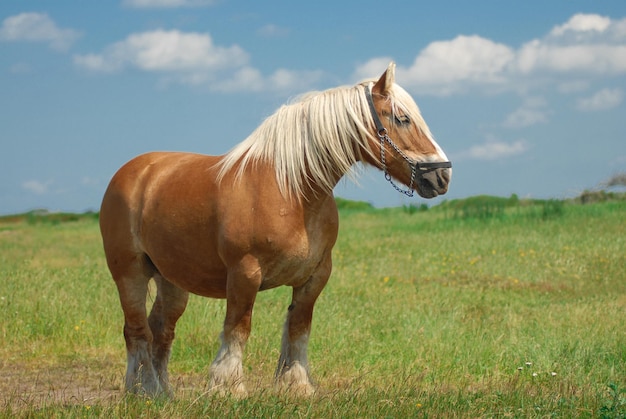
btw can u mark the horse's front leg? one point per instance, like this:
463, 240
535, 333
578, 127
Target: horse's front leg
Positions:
292, 372
226, 372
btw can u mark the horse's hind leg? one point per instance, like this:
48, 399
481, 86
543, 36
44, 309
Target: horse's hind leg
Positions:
132, 279
169, 305
292, 372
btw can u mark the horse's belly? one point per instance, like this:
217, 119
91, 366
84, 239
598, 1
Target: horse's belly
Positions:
206, 286
289, 271
213, 283
192, 275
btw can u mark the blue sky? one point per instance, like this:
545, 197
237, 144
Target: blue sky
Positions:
524, 97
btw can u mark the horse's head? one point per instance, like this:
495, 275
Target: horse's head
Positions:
403, 146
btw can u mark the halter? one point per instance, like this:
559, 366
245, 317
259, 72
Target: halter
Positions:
418, 169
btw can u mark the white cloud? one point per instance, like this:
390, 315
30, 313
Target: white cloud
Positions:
193, 58
372, 68
190, 54
251, 79
283, 79
586, 45
36, 186
165, 51
167, 4
463, 58
244, 79
446, 67
593, 58
532, 112
602, 100
37, 27
493, 150
524, 117
582, 23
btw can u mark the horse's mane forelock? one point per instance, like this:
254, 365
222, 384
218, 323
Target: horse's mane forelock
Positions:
312, 141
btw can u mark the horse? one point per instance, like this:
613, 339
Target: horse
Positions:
261, 216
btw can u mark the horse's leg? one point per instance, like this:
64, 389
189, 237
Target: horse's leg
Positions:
226, 372
293, 365
132, 284
169, 305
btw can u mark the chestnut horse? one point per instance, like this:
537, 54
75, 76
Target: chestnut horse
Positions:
261, 216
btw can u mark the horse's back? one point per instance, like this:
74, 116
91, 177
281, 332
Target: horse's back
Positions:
135, 182
128, 188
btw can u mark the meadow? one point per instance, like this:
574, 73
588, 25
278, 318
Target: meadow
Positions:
475, 308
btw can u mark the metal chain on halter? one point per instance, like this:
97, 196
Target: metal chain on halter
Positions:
382, 135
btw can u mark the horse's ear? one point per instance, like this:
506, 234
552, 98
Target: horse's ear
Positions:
384, 83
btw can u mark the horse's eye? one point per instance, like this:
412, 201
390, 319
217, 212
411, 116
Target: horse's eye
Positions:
402, 119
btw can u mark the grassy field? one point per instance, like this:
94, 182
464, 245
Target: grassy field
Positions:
476, 309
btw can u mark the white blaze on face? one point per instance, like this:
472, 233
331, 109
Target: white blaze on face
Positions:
440, 154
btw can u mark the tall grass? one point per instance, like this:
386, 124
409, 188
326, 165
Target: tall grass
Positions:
427, 314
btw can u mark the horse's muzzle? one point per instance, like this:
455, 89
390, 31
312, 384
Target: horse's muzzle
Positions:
433, 183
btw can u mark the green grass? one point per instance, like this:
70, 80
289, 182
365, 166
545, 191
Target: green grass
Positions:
428, 313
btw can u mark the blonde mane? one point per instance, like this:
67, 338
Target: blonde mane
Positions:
317, 139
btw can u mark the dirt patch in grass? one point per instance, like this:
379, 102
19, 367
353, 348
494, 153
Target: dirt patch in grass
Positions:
24, 387
27, 386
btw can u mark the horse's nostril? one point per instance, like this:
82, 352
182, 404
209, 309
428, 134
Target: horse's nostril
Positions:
446, 175
442, 182
437, 180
